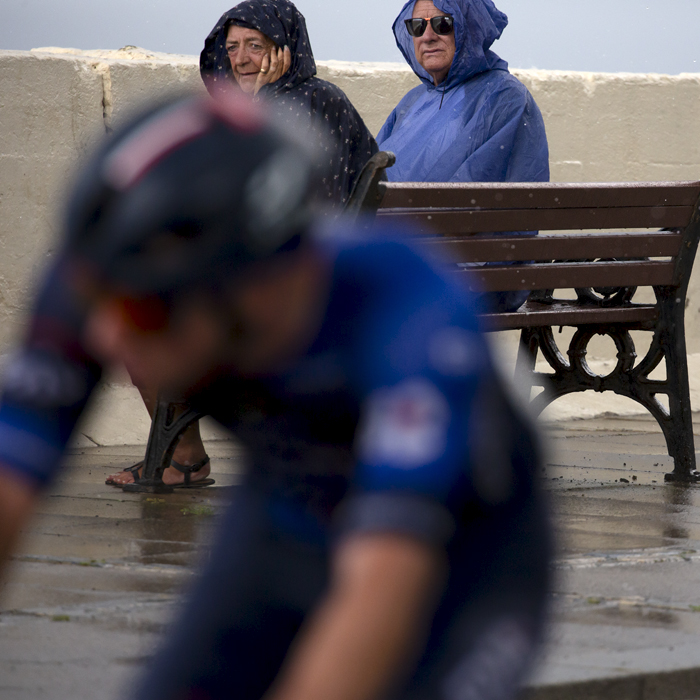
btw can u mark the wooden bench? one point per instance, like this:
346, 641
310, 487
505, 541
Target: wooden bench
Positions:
609, 242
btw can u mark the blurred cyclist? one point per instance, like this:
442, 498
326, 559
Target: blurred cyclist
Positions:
388, 540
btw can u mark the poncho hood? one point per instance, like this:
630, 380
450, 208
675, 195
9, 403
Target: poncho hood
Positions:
299, 99
277, 19
478, 23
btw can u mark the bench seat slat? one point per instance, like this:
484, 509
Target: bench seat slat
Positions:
533, 314
567, 275
455, 222
558, 247
537, 195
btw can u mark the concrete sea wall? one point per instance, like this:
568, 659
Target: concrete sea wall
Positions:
57, 104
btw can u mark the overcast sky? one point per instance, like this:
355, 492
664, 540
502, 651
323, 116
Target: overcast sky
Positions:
659, 36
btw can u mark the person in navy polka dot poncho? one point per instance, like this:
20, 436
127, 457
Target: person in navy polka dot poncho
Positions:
298, 95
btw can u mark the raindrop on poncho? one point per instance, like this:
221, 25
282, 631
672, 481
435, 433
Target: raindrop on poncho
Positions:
480, 124
298, 96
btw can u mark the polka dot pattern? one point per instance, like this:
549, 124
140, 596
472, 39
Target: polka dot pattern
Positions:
299, 96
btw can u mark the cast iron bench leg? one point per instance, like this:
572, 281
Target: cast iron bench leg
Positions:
629, 380
679, 435
162, 440
527, 359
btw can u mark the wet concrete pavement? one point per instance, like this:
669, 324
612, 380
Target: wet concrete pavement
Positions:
626, 602
100, 573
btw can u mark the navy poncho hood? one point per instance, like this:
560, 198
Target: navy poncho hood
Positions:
280, 21
298, 96
478, 23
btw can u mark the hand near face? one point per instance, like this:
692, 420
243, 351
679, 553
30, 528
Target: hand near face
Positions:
273, 67
255, 59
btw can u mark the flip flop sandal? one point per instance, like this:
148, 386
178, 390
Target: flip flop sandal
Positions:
135, 471
188, 471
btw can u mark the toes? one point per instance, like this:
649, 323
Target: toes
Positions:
119, 479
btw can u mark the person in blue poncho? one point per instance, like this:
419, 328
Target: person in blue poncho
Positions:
470, 120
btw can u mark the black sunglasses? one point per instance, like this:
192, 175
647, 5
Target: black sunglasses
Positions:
443, 24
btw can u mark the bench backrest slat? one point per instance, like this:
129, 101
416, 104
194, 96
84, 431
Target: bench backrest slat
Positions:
568, 275
420, 195
459, 222
605, 234
558, 247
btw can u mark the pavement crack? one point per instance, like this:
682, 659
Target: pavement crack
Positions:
92, 440
628, 558
592, 603
104, 70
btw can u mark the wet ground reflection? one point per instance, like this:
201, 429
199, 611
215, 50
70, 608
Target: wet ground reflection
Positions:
170, 529
83, 519
680, 503
607, 494
626, 517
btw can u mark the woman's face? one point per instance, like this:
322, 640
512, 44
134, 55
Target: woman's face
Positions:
246, 49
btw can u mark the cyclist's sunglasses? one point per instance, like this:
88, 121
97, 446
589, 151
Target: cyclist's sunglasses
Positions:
443, 24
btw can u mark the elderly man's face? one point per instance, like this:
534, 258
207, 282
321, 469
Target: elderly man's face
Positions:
434, 52
246, 49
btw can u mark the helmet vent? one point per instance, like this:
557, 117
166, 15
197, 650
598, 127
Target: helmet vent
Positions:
157, 138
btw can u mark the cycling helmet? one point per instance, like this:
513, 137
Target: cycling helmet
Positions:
189, 193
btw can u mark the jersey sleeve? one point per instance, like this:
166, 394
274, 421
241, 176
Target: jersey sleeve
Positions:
46, 384
425, 370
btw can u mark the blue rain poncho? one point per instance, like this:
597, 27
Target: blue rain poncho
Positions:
480, 124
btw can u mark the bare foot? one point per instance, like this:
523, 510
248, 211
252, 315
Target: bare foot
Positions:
171, 476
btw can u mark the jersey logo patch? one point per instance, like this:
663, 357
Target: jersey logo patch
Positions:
454, 352
404, 426
43, 381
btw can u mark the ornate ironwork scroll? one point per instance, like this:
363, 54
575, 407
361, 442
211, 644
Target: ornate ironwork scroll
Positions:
629, 378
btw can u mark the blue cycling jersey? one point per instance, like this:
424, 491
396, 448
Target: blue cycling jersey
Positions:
393, 420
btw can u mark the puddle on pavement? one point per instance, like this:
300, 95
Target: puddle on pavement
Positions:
83, 519
626, 517
173, 529
595, 510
